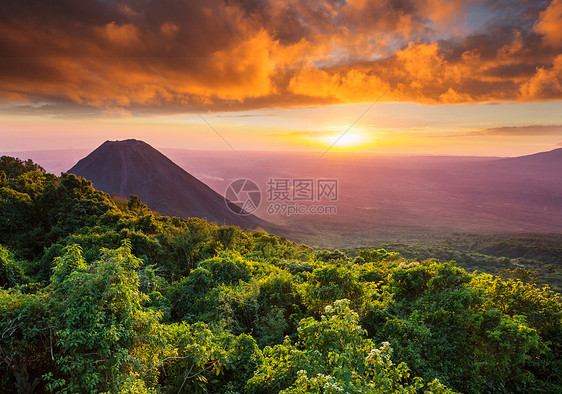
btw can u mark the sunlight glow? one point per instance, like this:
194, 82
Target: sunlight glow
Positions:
348, 140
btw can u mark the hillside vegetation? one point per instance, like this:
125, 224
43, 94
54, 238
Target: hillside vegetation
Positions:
534, 258
100, 294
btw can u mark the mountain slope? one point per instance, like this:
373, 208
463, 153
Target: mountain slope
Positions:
134, 167
543, 163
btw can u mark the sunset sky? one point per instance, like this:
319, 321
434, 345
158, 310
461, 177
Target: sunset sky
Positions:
461, 77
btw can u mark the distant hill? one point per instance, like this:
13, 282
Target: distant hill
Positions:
134, 167
545, 162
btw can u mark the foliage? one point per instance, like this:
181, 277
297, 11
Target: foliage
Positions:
333, 356
493, 254
100, 294
330, 283
11, 272
103, 333
13, 167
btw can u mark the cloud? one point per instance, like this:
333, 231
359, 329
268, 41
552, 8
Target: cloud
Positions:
120, 35
89, 56
531, 130
523, 131
232, 115
545, 84
550, 23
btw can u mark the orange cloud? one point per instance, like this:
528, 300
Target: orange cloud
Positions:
244, 70
344, 86
121, 35
545, 84
443, 11
169, 29
233, 55
550, 23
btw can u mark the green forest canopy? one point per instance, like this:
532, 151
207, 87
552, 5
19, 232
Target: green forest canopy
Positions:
100, 294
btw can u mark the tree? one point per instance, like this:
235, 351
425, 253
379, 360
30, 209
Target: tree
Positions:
11, 272
445, 328
26, 350
14, 167
332, 282
333, 355
104, 337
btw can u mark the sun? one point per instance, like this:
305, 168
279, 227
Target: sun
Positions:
347, 140
337, 138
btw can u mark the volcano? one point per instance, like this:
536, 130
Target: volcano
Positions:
134, 167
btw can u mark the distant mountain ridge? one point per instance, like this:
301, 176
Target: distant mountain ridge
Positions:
555, 154
134, 167
550, 162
